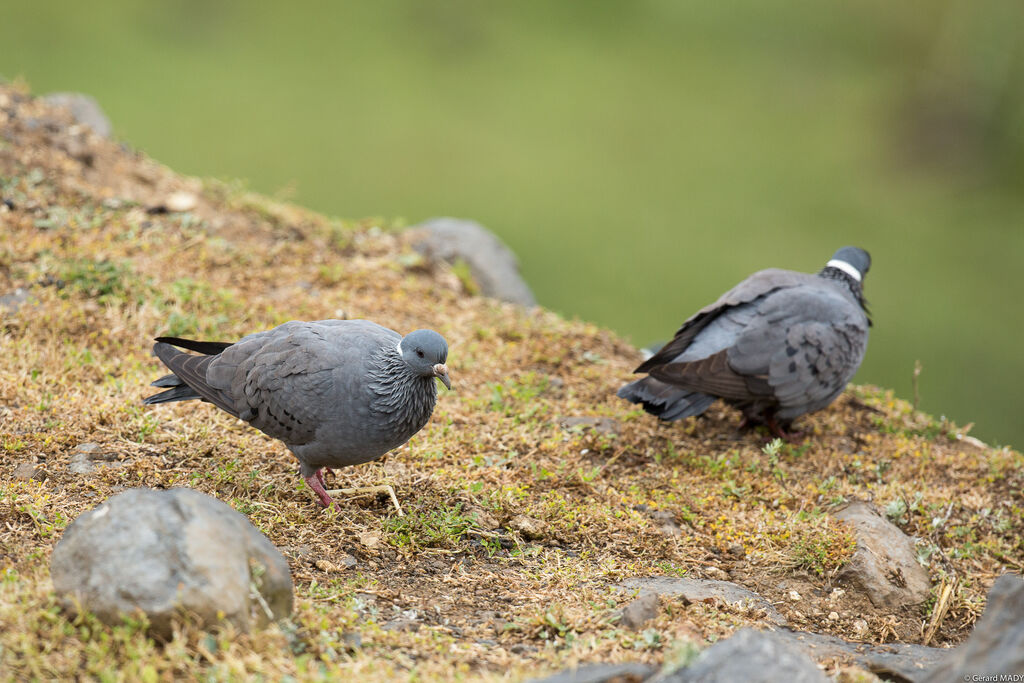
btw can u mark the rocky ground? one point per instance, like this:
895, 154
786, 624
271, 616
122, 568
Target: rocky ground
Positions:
538, 506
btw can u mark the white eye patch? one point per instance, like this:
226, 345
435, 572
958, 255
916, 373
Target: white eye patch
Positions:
845, 267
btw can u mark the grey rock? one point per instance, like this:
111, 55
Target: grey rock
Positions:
778, 345
892, 660
750, 656
26, 471
884, 566
600, 673
640, 611
996, 646
601, 425
85, 456
493, 265
13, 300
697, 590
336, 392
167, 553
84, 109
401, 624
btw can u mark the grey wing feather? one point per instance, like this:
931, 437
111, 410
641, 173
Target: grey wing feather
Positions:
282, 380
753, 288
805, 344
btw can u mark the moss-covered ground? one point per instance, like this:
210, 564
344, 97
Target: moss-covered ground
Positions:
517, 528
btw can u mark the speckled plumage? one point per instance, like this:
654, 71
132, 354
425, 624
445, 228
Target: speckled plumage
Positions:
778, 345
336, 392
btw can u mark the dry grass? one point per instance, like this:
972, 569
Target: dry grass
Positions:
492, 594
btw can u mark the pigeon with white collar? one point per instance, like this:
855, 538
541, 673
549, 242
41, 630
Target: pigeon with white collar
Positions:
336, 392
778, 345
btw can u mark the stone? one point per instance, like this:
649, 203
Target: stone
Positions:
84, 110
600, 673
884, 566
896, 661
752, 656
28, 471
14, 299
996, 646
530, 528
492, 264
640, 611
699, 590
85, 456
601, 425
180, 202
170, 553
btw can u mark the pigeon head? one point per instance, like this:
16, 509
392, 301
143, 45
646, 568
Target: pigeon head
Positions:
850, 265
853, 261
425, 351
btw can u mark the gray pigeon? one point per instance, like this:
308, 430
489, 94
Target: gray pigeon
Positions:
336, 392
778, 345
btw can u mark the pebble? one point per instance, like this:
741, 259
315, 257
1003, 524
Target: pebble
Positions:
794, 596
181, 201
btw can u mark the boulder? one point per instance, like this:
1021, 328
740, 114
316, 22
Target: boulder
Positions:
493, 265
600, 673
639, 611
996, 646
884, 566
751, 656
698, 590
84, 109
170, 553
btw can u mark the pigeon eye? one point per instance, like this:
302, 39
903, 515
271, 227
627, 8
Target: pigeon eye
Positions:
419, 353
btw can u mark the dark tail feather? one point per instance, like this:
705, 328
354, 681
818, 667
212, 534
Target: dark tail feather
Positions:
182, 392
664, 400
205, 347
170, 380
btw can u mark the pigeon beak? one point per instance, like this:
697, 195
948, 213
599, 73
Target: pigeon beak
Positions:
441, 372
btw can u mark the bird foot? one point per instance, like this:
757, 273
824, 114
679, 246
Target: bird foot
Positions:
315, 481
383, 488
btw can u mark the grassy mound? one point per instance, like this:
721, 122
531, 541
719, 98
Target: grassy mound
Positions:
518, 523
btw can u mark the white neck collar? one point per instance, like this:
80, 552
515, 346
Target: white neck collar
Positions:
845, 267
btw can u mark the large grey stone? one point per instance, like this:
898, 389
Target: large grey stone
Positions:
167, 553
884, 566
896, 661
629, 672
697, 590
996, 646
84, 109
750, 656
493, 265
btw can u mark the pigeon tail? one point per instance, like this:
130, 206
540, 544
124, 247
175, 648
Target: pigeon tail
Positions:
181, 392
664, 400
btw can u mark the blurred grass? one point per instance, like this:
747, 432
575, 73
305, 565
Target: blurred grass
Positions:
640, 158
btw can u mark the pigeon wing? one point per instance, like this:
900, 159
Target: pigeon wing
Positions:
803, 347
759, 285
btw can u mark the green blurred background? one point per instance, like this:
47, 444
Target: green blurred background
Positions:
640, 157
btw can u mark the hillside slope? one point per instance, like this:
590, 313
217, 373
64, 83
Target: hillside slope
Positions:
518, 526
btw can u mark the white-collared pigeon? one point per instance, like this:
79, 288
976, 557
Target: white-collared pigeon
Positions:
777, 346
336, 392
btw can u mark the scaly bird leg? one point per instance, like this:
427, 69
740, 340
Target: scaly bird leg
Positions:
315, 482
383, 488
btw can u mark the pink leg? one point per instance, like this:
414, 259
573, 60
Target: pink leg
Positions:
316, 482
